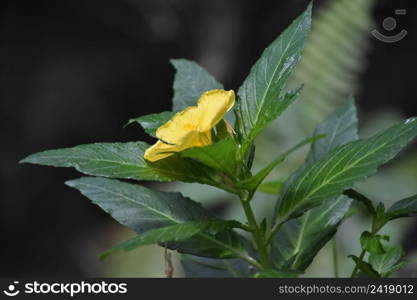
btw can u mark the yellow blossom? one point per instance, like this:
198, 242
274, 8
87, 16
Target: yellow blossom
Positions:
192, 126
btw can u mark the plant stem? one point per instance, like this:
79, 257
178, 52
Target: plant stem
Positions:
256, 232
355, 270
243, 256
335, 258
274, 230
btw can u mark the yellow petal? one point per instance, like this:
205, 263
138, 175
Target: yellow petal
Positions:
157, 151
213, 105
175, 130
161, 150
192, 126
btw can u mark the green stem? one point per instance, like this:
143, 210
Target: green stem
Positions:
361, 256
355, 270
256, 232
243, 256
335, 258
274, 230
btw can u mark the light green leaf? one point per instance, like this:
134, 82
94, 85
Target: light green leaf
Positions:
344, 166
372, 243
277, 274
220, 156
271, 187
221, 131
388, 262
150, 123
123, 160
203, 267
259, 96
142, 209
173, 233
253, 182
404, 208
190, 82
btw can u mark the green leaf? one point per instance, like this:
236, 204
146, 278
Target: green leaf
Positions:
220, 156
150, 123
365, 267
142, 209
190, 82
299, 240
253, 182
354, 195
388, 262
202, 267
172, 233
221, 131
259, 96
278, 274
340, 127
344, 166
404, 208
372, 243
118, 160
123, 160
271, 187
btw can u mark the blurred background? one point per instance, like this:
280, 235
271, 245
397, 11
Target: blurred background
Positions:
73, 72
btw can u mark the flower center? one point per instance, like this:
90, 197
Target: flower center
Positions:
191, 127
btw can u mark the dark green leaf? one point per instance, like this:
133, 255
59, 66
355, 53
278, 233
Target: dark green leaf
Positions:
150, 123
202, 267
299, 240
277, 274
123, 160
259, 96
142, 209
190, 82
388, 262
379, 218
372, 243
404, 208
220, 156
365, 267
263, 226
173, 233
118, 160
340, 127
344, 166
354, 195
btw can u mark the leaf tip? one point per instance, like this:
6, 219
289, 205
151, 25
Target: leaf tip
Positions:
26, 160
71, 183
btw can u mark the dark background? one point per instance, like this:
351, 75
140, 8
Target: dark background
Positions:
73, 72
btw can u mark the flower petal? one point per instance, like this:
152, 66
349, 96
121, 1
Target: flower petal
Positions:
213, 105
192, 126
181, 124
157, 151
161, 150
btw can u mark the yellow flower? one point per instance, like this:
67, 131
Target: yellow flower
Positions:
192, 126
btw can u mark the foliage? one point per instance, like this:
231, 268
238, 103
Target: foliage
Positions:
311, 205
